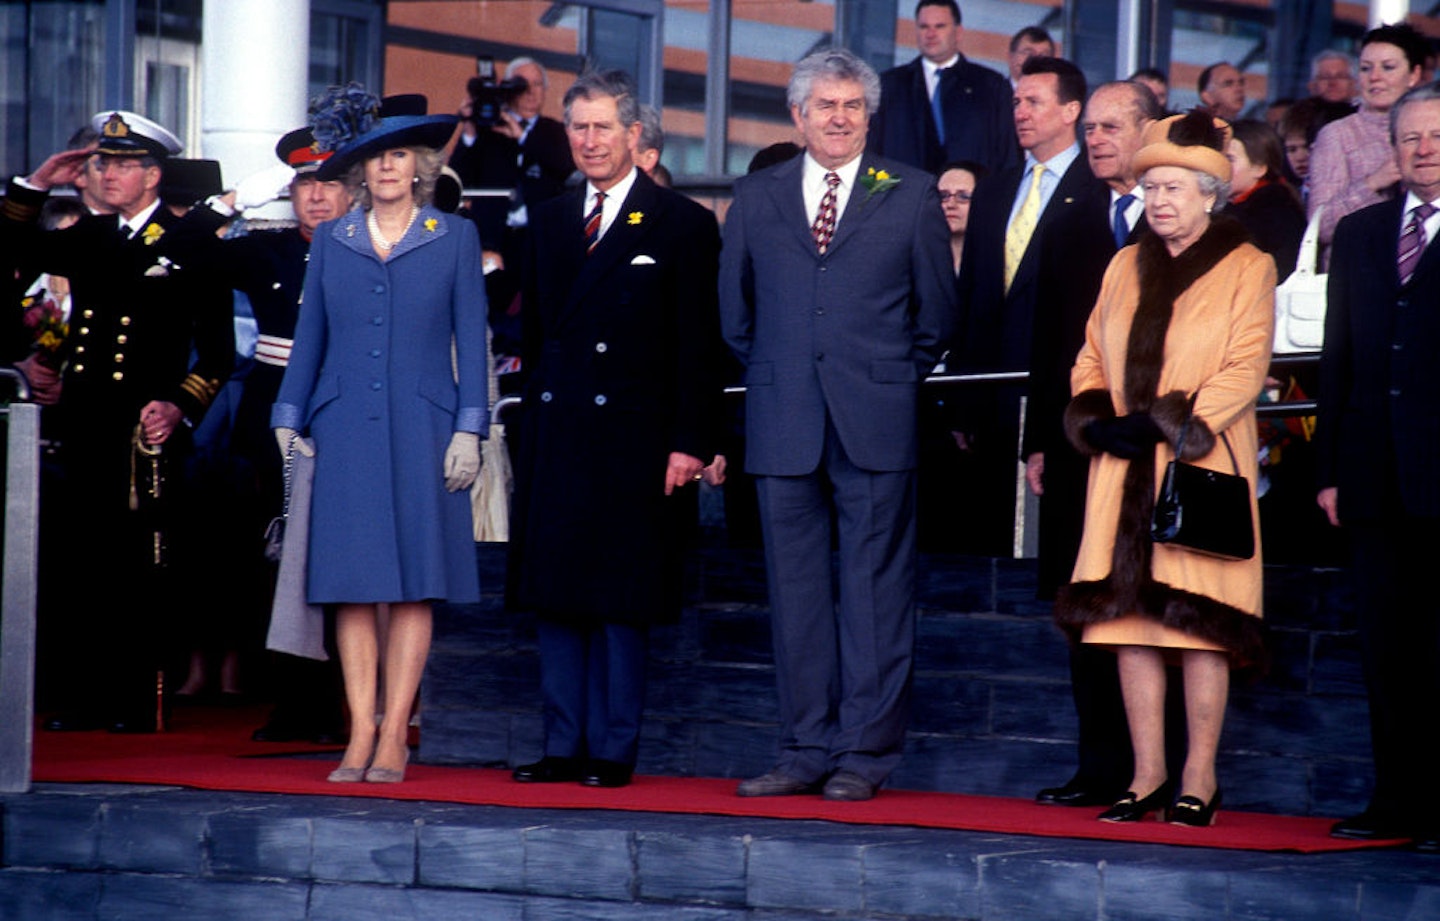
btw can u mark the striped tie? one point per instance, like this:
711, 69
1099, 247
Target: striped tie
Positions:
824, 227
1412, 241
592, 223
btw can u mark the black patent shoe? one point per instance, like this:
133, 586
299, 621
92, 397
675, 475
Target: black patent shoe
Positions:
549, 769
1076, 793
1130, 808
600, 773
1189, 810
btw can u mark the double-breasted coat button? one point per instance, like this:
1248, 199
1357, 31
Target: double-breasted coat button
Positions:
84, 330
119, 375
88, 314
119, 357
601, 347
546, 397
124, 321
600, 399
121, 339
79, 368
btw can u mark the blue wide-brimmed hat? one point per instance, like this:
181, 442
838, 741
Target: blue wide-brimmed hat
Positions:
357, 126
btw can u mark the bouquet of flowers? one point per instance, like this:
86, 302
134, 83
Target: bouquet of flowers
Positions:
46, 321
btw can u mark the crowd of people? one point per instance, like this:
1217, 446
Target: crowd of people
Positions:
1124, 255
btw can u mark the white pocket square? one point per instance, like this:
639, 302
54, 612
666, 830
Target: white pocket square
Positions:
642, 260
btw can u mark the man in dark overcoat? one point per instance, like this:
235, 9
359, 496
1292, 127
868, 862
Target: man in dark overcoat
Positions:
620, 415
837, 294
151, 340
1378, 437
972, 101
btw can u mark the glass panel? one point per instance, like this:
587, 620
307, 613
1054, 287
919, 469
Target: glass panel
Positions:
50, 77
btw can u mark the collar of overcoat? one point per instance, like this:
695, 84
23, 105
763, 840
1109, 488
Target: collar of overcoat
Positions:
352, 233
640, 213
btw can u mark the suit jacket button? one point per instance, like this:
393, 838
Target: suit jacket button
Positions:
546, 397
601, 347
820, 356
376, 385
600, 399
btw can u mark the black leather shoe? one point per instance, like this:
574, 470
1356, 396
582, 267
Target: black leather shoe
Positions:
1367, 826
1427, 842
1076, 793
1131, 808
848, 787
601, 773
1189, 810
549, 770
77, 721
134, 724
776, 783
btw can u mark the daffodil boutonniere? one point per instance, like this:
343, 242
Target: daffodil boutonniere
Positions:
877, 182
634, 218
431, 224
151, 233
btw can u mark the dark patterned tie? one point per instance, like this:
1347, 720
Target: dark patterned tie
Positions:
1412, 241
824, 226
592, 223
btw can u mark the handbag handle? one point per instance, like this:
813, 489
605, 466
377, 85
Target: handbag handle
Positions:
1185, 427
1307, 263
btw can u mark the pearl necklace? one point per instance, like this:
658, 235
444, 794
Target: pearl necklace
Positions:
384, 244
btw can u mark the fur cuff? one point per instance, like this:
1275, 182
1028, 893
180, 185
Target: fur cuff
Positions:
1089, 406
1170, 411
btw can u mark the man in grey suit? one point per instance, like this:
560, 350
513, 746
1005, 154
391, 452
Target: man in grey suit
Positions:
837, 294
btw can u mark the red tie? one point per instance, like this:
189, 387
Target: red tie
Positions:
592, 223
824, 226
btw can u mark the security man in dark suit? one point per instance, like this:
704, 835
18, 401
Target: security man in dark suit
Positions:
941, 107
150, 342
1010, 215
1378, 437
621, 415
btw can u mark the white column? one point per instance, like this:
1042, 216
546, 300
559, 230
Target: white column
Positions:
254, 59
1388, 12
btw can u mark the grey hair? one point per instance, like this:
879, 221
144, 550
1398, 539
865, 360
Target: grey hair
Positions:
1425, 92
1330, 54
428, 163
1144, 105
652, 135
524, 60
832, 64
1209, 185
616, 84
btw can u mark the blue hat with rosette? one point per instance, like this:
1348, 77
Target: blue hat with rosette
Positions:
356, 125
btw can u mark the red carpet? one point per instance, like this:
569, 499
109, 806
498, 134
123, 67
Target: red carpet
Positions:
210, 749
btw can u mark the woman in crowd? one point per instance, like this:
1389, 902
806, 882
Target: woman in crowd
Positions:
396, 438
1352, 164
1260, 198
1182, 329
956, 184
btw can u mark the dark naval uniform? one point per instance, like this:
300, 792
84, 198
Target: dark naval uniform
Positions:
147, 324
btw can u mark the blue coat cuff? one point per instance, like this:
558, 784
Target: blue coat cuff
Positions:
286, 416
471, 419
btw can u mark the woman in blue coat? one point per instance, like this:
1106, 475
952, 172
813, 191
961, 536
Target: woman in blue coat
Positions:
390, 286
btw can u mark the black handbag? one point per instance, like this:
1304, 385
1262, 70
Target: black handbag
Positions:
1203, 510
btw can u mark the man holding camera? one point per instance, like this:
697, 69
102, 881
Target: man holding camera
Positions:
505, 143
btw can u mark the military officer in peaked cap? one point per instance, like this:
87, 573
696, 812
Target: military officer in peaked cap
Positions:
150, 341
268, 265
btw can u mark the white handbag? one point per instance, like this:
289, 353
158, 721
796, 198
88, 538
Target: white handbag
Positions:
1300, 299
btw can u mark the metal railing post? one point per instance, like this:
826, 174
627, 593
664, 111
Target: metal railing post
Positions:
17, 615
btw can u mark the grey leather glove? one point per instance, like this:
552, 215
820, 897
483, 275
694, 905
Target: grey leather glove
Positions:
462, 461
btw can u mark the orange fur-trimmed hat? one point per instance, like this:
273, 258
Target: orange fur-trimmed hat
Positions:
1194, 140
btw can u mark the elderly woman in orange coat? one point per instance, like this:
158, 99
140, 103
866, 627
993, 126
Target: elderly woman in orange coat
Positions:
1186, 312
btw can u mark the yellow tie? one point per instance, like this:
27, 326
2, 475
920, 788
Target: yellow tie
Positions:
1017, 237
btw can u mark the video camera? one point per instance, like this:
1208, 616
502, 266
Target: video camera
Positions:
488, 96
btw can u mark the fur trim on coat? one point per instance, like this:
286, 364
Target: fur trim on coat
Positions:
1130, 587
